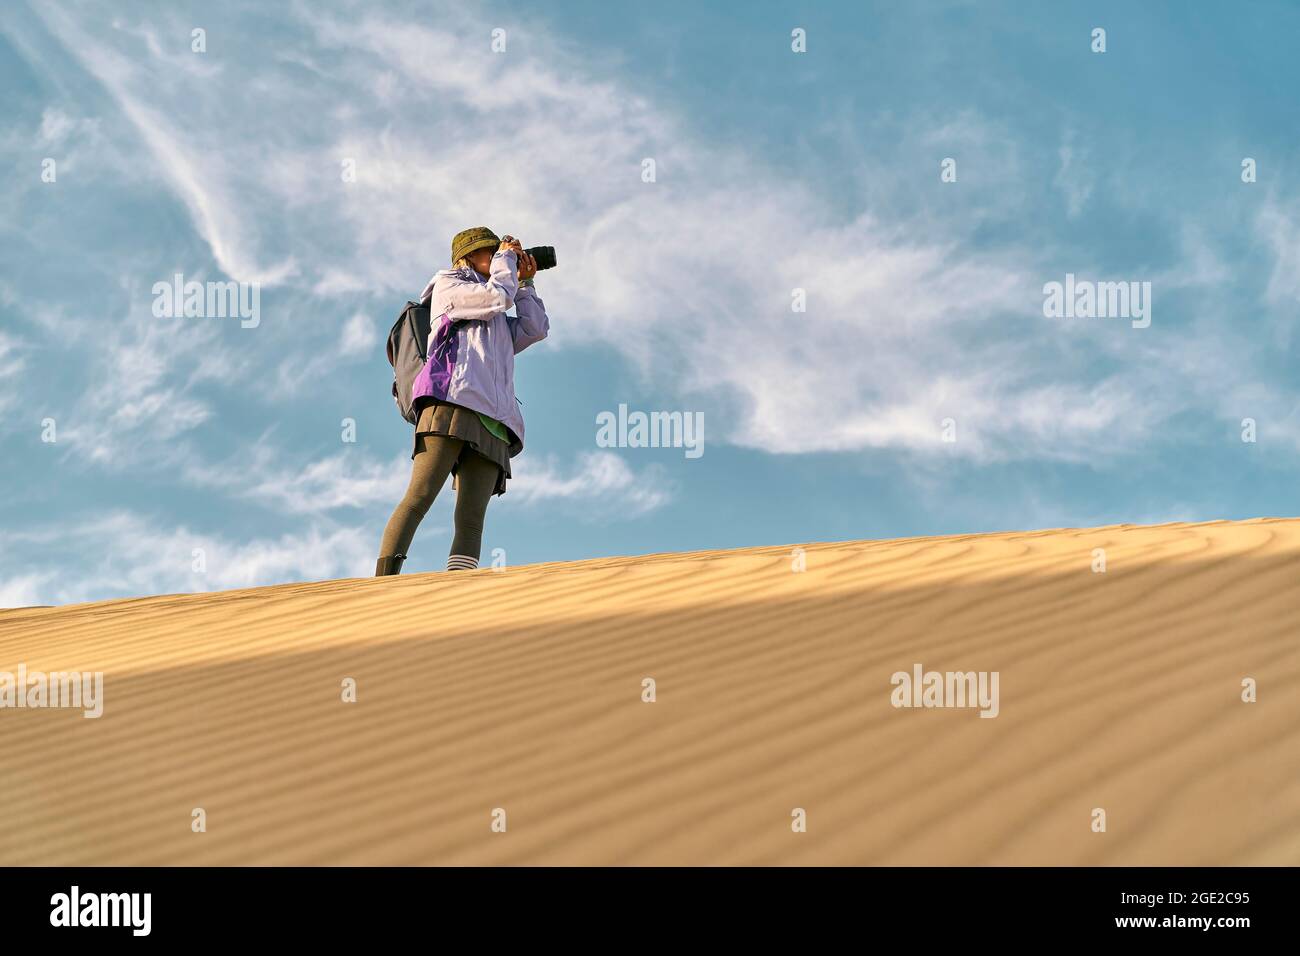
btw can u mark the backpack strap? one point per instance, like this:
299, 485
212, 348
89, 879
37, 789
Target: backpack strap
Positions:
421, 345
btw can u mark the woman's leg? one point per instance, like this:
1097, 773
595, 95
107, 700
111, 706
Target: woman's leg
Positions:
434, 457
477, 479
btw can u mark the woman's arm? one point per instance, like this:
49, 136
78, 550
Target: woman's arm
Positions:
466, 301
532, 324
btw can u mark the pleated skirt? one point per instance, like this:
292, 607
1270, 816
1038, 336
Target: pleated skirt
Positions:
457, 421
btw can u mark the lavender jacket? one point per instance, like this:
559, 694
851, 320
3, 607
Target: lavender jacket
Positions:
473, 343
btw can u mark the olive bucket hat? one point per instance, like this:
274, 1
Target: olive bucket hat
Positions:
469, 240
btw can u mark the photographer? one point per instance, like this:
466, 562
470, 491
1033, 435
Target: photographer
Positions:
469, 424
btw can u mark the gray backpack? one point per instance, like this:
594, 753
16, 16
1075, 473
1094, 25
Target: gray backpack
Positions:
407, 343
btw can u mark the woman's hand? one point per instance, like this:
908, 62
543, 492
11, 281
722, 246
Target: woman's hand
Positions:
527, 265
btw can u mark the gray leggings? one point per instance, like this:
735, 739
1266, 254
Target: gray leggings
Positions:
476, 480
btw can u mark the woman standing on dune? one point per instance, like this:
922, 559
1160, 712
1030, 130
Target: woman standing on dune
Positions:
469, 424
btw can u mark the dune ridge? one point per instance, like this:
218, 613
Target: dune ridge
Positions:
521, 689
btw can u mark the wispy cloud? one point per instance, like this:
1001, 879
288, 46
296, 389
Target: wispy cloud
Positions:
1073, 177
348, 479
126, 62
25, 590
599, 484
139, 555
299, 372
141, 379
1278, 226
12, 364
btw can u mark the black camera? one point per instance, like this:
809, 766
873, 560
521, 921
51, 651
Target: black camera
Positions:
545, 256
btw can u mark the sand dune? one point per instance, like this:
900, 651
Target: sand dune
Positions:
522, 690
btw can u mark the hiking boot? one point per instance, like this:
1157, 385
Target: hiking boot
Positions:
391, 565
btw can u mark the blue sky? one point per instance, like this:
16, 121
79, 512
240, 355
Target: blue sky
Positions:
775, 171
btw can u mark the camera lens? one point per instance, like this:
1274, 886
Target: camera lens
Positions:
545, 256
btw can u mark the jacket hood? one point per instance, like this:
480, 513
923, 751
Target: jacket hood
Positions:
466, 273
